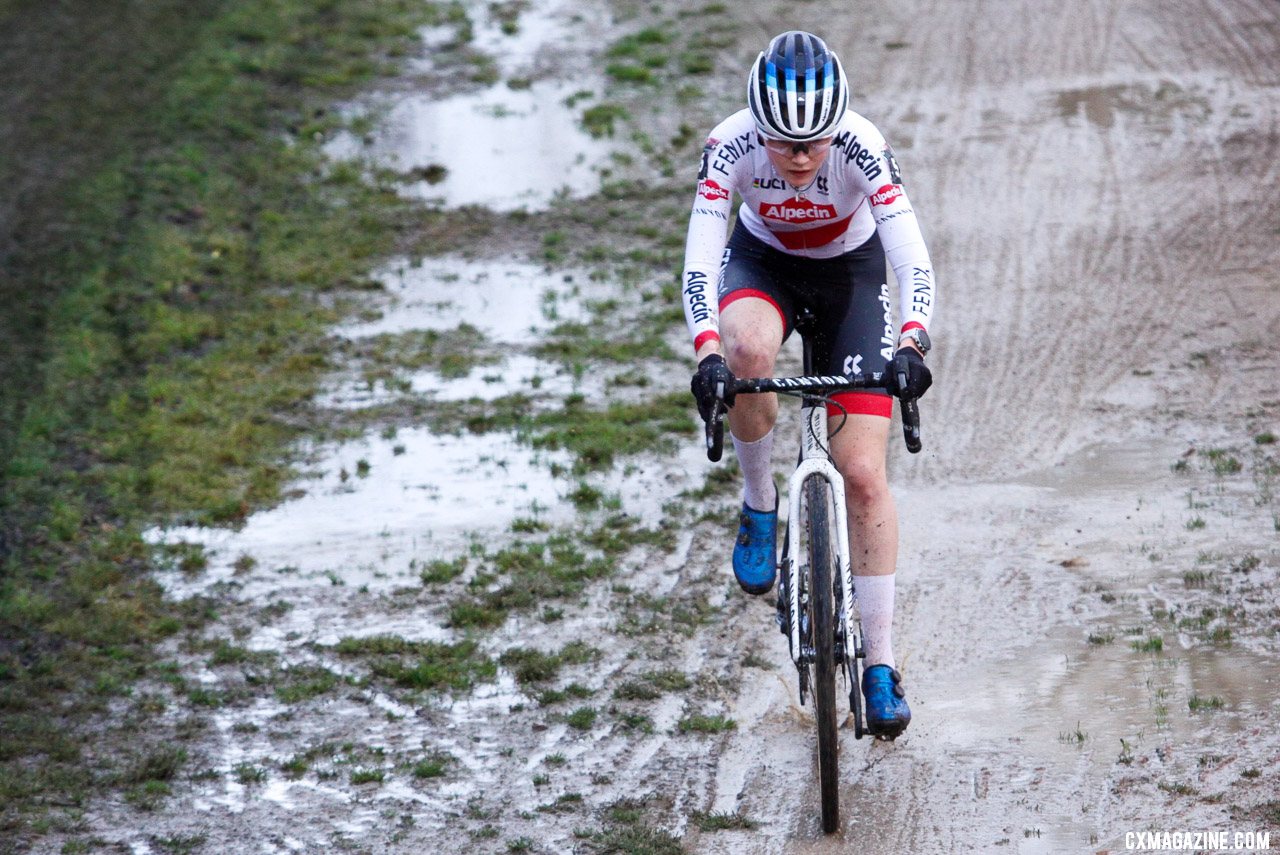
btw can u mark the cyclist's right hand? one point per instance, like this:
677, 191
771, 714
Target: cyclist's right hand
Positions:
712, 383
907, 376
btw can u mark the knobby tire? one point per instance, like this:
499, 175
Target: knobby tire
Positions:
822, 567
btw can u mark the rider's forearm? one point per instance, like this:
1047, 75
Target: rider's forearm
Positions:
703, 248
909, 258
700, 310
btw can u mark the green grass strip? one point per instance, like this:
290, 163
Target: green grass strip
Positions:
176, 288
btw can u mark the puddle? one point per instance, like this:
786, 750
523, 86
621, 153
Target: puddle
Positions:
517, 373
509, 302
531, 42
420, 498
503, 148
1108, 467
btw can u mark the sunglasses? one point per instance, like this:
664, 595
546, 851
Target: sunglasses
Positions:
787, 147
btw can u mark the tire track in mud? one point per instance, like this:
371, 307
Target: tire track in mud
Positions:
1019, 293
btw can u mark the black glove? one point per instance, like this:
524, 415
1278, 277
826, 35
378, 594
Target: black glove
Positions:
908, 376
712, 374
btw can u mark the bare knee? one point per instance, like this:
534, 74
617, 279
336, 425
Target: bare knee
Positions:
751, 356
865, 481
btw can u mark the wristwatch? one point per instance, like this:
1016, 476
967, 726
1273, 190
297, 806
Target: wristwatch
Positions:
920, 337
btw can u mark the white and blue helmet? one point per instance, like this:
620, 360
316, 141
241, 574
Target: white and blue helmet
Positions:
797, 90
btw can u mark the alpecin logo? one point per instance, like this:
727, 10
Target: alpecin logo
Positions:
797, 211
886, 195
709, 189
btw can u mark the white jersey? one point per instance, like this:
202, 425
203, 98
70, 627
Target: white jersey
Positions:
857, 191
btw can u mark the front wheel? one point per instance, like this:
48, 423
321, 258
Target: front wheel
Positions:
822, 567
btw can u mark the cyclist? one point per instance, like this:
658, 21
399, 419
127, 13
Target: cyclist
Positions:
822, 205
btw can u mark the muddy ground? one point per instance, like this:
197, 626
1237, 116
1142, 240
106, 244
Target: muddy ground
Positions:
1088, 622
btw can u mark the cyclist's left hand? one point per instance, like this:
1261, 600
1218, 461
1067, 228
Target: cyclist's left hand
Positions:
713, 374
908, 363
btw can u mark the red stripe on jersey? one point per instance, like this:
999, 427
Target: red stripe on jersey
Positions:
741, 293
861, 404
812, 238
914, 325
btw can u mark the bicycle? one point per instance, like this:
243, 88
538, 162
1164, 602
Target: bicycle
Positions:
825, 637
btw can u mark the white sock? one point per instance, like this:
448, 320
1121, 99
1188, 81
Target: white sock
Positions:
756, 461
875, 601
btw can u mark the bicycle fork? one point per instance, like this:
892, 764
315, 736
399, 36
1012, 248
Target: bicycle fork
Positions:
815, 459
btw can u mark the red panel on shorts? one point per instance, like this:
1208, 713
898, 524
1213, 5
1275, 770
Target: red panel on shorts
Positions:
742, 293
862, 404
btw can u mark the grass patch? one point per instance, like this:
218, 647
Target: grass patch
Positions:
440, 571
627, 827
527, 575
699, 723
652, 685
305, 682
1223, 462
636, 721
644, 614
1197, 704
444, 666
724, 821
583, 718
575, 342
424, 665
599, 120
382, 360
248, 774
576, 691
367, 776
1152, 644
530, 666
597, 437
433, 766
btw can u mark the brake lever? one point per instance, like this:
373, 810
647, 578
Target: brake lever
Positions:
715, 426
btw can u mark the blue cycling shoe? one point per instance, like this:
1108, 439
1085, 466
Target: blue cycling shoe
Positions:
755, 555
887, 711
